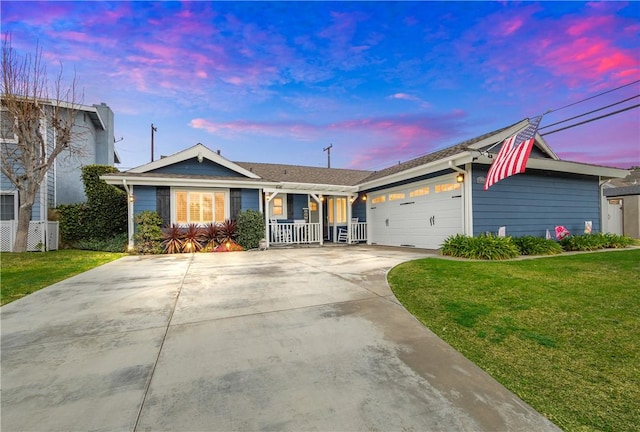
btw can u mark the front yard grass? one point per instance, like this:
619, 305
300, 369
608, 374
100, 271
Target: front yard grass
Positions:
563, 333
24, 273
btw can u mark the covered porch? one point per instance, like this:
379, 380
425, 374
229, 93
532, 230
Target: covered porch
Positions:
295, 216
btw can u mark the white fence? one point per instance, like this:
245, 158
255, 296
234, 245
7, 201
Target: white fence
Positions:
358, 231
302, 233
42, 235
294, 233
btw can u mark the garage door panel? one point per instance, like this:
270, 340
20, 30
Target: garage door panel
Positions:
421, 221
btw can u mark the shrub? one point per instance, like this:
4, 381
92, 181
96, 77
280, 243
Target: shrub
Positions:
210, 234
487, 247
172, 239
595, 241
102, 217
117, 243
192, 237
148, 235
250, 229
530, 245
228, 231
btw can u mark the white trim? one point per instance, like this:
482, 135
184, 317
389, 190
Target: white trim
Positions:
197, 151
283, 197
15, 201
172, 200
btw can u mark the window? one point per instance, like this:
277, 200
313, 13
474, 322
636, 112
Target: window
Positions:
278, 207
337, 210
8, 206
7, 132
313, 206
419, 192
396, 196
378, 199
200, 207
447, 187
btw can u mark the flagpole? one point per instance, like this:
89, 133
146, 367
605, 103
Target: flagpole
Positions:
486, 152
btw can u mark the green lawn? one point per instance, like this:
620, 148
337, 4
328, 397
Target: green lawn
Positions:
23, 273
563, 333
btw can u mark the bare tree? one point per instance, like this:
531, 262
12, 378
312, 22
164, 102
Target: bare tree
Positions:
27, 155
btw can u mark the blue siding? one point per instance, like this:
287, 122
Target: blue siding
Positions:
193, 167
359, 209
145, 199
531, 203
299, 202
250, 199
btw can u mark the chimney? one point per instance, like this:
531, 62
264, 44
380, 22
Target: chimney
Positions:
218, 151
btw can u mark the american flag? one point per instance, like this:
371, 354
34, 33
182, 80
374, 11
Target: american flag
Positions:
513, 155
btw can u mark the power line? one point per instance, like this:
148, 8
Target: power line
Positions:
590, 112
592, 119
595, 96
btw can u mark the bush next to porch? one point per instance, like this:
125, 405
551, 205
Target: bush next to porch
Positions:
148, 236
250, 229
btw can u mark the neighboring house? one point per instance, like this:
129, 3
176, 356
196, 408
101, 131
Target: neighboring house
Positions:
622, 205
418, 203
94, 132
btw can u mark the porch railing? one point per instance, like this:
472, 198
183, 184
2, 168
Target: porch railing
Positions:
358, 231
42, 235
294, 233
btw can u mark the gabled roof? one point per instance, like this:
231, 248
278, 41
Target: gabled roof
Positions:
197, 151
475, 144
305, 174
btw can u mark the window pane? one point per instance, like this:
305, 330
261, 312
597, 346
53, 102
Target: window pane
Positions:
396, 196
194, 207
277, 207
342, 210
6, 207
6, 124
330, 210
378, 199
420, 192
220, 210
181, 207
207, 208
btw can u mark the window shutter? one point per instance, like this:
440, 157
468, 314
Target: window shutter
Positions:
236, 203
163, 204
289, 206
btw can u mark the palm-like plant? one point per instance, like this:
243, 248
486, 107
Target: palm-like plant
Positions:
172, 239
211, 232
193, 235
228, 231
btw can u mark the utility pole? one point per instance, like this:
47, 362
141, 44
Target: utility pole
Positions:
328, 150
153, 129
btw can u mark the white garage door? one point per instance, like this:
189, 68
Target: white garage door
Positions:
418, 215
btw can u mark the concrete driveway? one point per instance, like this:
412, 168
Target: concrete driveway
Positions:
297, 339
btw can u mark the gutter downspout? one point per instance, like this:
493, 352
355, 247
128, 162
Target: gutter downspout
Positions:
130, 225
466, 198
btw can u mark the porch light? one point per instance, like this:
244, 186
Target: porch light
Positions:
131, 198
364, 197
321, 198
460, 178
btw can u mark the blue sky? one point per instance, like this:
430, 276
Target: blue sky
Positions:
381, 81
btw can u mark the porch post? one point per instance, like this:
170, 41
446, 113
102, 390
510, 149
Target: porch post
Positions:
267, 225
349, 213
130, 221
319, 202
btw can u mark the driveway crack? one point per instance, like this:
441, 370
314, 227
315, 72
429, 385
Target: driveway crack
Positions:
164, 338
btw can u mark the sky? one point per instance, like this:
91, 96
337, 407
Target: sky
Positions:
382, 82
